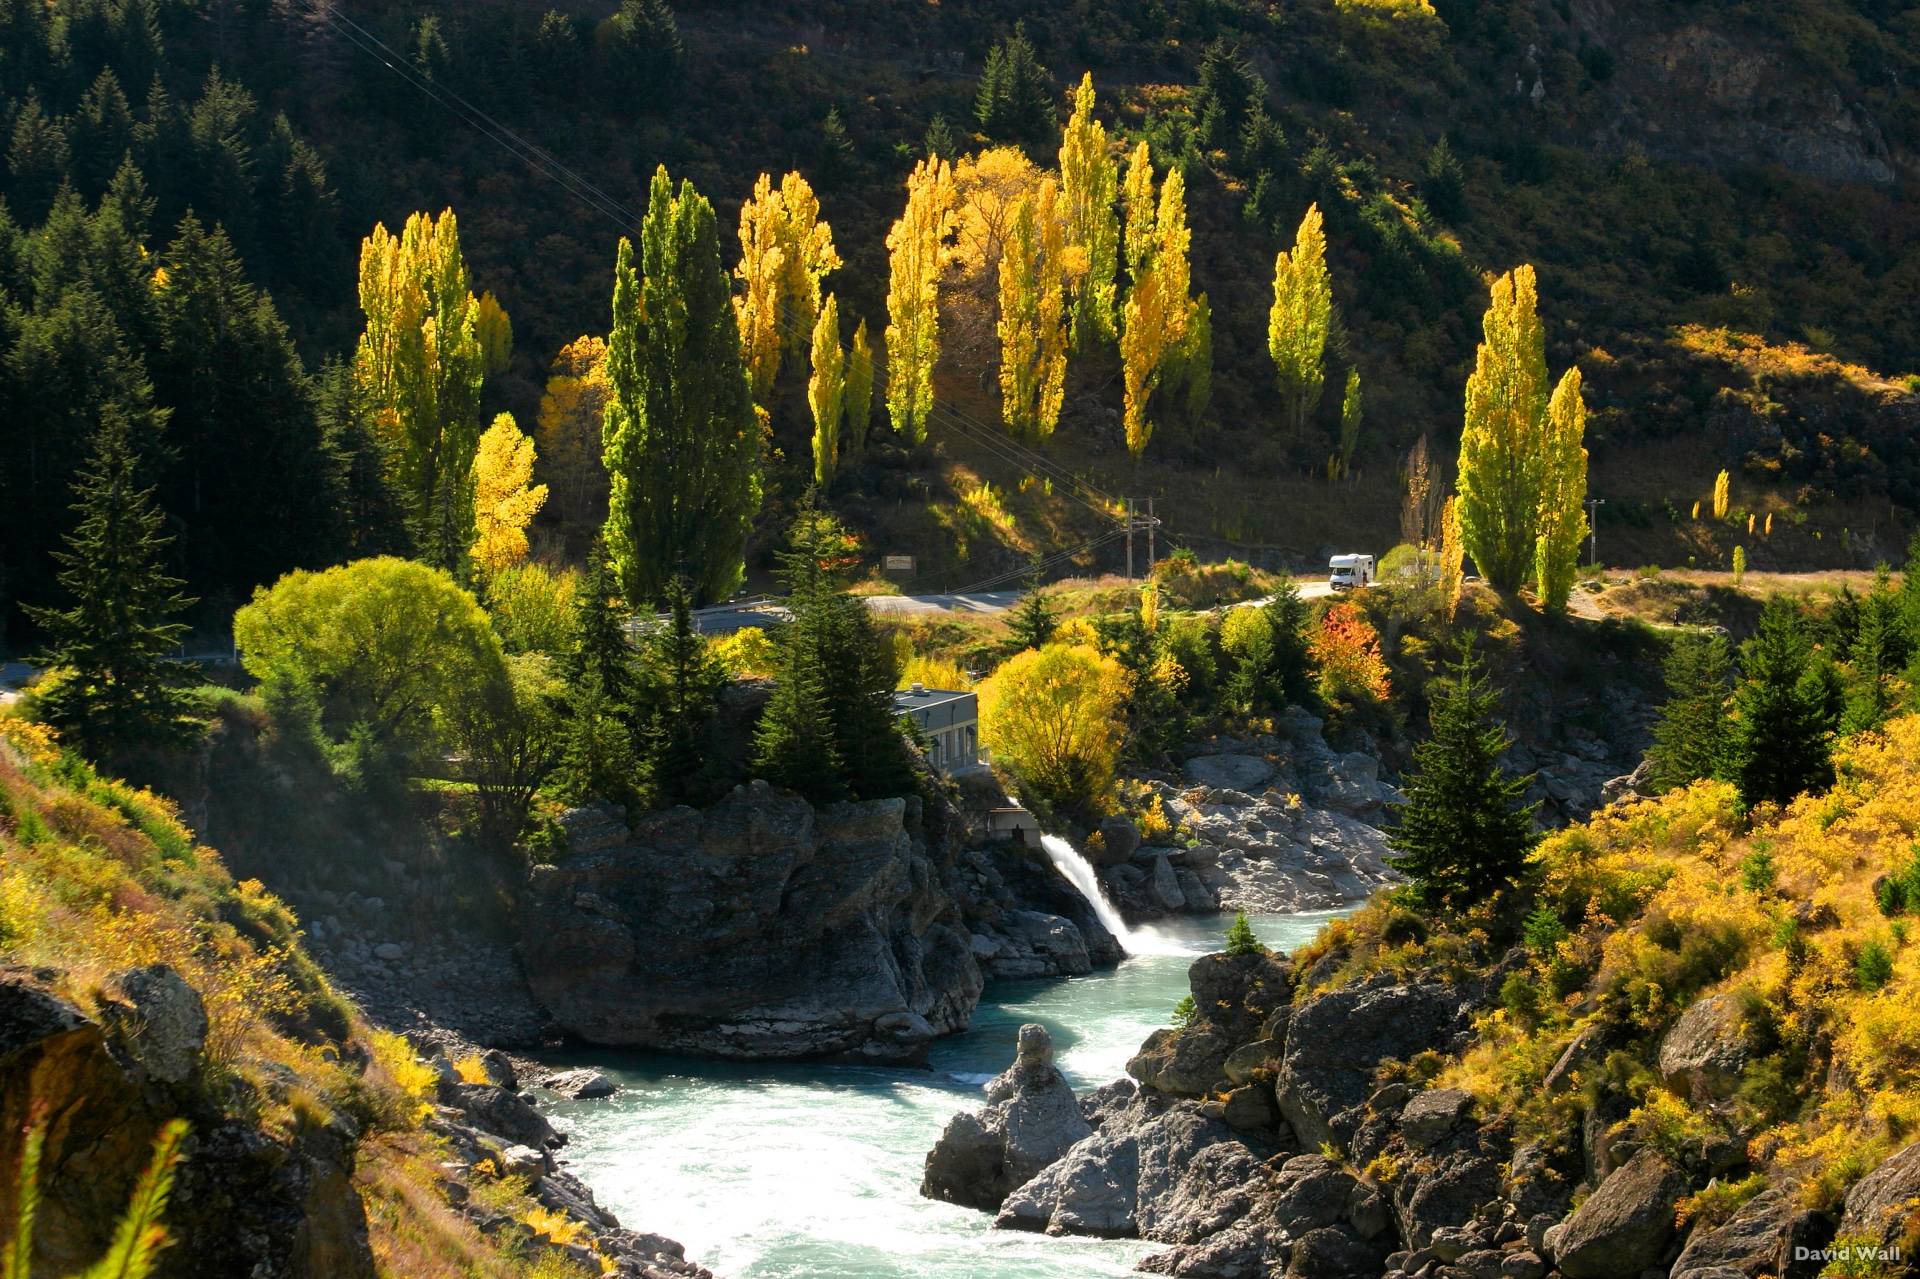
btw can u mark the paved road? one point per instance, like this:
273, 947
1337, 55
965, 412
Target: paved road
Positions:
927, 605
1308, 591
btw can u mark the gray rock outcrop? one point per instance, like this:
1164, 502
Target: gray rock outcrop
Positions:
1760, 1238
1031, 1120
1336, 1040
1881, 1205
1704, 1053
1625, 1225
758, 928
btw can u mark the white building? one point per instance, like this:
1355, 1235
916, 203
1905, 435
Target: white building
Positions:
948, 720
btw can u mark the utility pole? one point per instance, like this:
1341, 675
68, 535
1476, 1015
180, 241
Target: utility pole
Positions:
1150, 524
1593, 530
1129, 539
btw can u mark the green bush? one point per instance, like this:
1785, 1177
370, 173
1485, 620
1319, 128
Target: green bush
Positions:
1873, 968
1240, 938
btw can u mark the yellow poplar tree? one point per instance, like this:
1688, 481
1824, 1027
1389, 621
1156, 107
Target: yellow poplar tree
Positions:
495, 333
785, 252
757, 307
572, 408
1301, 319
1032, 327
420, 365
1739, 564
1453, 565
1722, 493
857, 401
1157, 312
1502, 465
913, 296
1089, 182
1563, 496
505, 499
825, 391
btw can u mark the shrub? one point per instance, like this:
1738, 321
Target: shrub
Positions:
1056, 716
1241, 939
532, 608
1712, 1206
1873, 967
1346, 649
1757, 871
747, 653
1183, 1012
1543, 932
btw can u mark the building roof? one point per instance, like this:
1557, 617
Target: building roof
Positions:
918, 698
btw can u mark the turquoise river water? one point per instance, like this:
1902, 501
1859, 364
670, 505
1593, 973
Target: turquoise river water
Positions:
808, 1171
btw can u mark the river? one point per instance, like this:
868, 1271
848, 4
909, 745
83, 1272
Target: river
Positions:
809, 1171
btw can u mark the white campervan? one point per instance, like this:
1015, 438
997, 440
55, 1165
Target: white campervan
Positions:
1347, 572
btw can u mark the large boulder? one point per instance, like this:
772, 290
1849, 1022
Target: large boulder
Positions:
758, 928
1884, 1206
1092, 1190
1337, 1040
158, 1019
1233, 996
1625, 1225
1704, 1054
1763, 1237
1031, 1120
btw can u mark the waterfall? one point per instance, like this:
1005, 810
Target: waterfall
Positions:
1080, 873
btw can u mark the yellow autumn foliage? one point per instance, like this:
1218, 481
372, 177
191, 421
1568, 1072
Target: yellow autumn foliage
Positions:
505, 498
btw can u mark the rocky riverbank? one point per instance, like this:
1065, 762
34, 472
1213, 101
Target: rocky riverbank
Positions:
1278, 1132
1281, 822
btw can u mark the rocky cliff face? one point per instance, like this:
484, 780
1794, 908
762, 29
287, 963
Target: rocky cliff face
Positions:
759, 928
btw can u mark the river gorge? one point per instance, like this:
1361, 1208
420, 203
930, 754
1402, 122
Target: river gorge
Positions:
784, 1170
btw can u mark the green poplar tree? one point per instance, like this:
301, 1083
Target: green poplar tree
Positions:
1563, 493
682, 441
118, 687
1465, 828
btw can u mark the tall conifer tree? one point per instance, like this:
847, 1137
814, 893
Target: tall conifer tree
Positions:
119, 687
1465, 829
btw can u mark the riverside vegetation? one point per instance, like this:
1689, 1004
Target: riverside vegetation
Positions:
1592, 1023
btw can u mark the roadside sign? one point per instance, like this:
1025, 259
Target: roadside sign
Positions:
898, 564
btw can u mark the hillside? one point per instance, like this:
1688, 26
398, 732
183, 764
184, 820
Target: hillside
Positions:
1718, 199
141, 984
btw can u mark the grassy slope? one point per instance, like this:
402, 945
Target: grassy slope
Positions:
96, 876
1671, 899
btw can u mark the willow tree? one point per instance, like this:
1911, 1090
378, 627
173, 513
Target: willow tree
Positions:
786, 250
857, 400
1158, 311
913, 296
505, 498
1502, 463
1301, 319
1563, 493
420, 365
826, 390
681, 438
1089, 182
1033, 318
